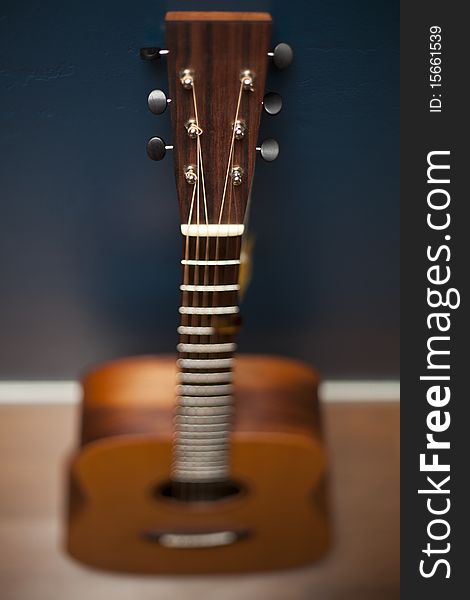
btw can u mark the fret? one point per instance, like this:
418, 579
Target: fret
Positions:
209, 310
199, 435
204, 410
202, 420
223, 377
202, 445
205, 363
221, 428
204, 468
205, 390
210, 288
201, 474
205, 475
204, 462
209, 348
190, 330
202, 471
202, 457
210, 263
204, 465
204, 400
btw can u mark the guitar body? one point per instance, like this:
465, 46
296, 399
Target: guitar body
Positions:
120, 515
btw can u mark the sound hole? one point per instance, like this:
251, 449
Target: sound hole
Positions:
199, 492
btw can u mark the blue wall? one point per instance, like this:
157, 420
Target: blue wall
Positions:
89, 262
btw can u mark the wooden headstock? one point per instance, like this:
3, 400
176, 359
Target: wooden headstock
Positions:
217, 66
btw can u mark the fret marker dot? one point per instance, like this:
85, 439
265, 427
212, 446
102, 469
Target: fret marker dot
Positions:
447, 237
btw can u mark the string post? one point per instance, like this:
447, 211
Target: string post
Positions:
190, 174
237, 175
239, 128
187, 78
247, 78
193, 129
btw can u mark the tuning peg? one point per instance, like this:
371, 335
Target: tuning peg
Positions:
269, 150
272, 103
152, 53
156, 148
157, 102
282, 55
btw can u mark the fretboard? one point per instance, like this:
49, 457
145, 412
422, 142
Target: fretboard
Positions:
209, 321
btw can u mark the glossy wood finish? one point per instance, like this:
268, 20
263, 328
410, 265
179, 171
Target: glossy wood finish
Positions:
277, 456
217, 16
137, 395
217, 47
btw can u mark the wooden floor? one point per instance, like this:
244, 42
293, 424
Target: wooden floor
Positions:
364, 445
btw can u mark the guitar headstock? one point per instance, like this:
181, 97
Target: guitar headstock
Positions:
217, 67
217, 63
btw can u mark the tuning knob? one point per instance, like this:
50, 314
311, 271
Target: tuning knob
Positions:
282, 55
152, 53
157, 102
156, 148
272, 103
269, 150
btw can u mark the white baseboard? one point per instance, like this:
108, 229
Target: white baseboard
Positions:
68, 392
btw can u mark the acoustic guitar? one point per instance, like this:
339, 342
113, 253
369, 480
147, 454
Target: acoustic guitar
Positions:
207, 463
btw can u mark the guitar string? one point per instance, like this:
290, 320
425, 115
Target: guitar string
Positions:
196, 195
184, 298
230, 154
229, 250
195, 295
229, 166
205, 320
201, 182
188, 486
210, 486
227, 244
182, 488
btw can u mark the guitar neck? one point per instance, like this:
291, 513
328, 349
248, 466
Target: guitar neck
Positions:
209, 321
217, 66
